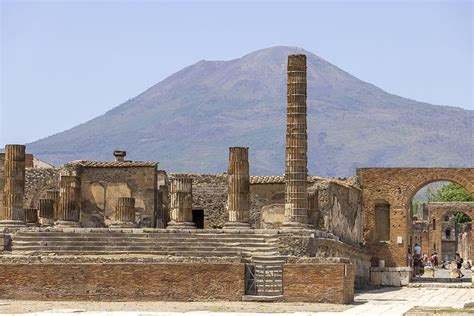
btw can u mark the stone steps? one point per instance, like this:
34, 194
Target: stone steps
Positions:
166, 243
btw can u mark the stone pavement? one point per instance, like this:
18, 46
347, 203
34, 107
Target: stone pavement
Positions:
380, 302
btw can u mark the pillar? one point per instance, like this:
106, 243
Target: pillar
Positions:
124, 212
31, 216
181, 213
46, 212
238, 196
69, 197
14, 186
296, 200
54, 195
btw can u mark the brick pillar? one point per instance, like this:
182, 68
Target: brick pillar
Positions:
296, 199
69, 197
14, 186
31, 216
54, 195
46, 212
124, 212
238, 181
181, 213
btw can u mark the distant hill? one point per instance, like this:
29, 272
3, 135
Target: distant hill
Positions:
188, 121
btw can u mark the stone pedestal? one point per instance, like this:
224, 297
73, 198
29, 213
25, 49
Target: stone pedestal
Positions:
14, 186
69, 197
296, 198
31, 216
46, 212
238, 198
124, 212
181, 213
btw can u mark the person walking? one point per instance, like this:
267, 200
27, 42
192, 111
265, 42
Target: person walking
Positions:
459, 262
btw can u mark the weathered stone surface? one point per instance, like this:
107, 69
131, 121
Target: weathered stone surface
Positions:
70, 196
181, 199
238, 199
124, 212
14, 185
46, 212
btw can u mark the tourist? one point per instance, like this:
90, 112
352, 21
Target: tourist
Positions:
435, 259
417, 251
459, 262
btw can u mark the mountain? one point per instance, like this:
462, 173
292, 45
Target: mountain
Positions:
188, 121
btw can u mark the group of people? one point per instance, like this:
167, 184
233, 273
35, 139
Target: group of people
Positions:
419, 261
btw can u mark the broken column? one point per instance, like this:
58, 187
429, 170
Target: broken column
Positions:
31, 216
54, 195
124, 212
46, 212
238, 196
181, 213
14, 186
69, 196
296, 200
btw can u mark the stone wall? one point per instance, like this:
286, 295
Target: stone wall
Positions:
37, 182
102, 186
127, 281
318, 282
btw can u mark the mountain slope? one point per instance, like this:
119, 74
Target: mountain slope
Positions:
187, 122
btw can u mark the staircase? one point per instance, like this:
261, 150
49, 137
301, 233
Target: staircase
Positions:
189, 244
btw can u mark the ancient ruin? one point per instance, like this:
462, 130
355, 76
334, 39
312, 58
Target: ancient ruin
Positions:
139, 231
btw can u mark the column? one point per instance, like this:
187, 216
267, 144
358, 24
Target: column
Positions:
238, 194
31, 216
124, 212
181, 213
14, 186
54, 195
296, 200
69, 196
46, 212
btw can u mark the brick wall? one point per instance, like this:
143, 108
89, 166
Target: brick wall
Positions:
318, 282
127, 281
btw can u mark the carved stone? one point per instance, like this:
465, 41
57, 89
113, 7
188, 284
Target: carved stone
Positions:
69, 197
181, 203
238, 198
124, 212
46, 212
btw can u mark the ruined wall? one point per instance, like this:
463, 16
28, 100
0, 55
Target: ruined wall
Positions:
101, 187
127, 281
37, 182
318, 282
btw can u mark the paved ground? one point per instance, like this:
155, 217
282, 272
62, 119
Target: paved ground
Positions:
381, 302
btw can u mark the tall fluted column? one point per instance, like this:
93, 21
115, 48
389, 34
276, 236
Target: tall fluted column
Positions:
54, 195
14, 186
124, 212
69, 196
46, 212
296, 200
238, 196
181, 213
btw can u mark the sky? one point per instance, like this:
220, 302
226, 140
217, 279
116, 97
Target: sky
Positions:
66, 62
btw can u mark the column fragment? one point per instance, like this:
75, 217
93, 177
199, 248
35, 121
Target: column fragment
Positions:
181, 213
13, 213
296, 200
238, 198
69, 196
46, 212
124, 212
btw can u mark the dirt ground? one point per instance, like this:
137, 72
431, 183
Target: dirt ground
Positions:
15, 306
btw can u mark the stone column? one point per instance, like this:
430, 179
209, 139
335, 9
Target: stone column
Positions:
14, 186
31, 216
69, 197
238, 196
54, 195
181, 213
124, 212
296, 199
46, 212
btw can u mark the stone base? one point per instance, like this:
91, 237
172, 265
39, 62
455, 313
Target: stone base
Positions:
67, 224
122, 225
396, 276
11, 223
46, 221
181, 225
292, 226
236, 225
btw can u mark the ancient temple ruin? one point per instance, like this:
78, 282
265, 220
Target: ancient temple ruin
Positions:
138, 231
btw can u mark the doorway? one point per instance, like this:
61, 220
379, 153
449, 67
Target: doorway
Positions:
198, 218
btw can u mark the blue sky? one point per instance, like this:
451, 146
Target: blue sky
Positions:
65, 62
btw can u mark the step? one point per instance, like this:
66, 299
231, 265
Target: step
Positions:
158, 253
